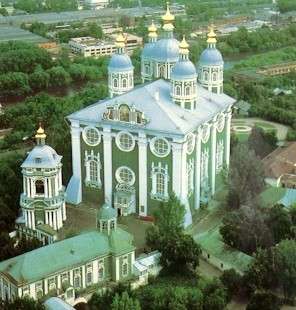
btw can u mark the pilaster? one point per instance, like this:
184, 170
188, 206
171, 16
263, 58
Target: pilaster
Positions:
228, 137
142, 144
213, 156
107, 140
197, 168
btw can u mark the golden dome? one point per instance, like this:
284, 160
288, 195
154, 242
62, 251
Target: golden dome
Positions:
120, 40
152, 27
168, 17
212, 35
184, 44
40, 134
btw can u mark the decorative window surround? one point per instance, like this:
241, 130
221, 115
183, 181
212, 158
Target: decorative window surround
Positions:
219, 155
190, 143
160, 179
125, 141
160, 147
190, 177
124, 175
205, 167
91, 136
93, 169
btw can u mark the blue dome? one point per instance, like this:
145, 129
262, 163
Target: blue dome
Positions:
183, 70
211, 56
148, 50
42, 156
120, 62
166, 50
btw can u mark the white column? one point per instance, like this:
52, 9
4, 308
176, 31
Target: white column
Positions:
107, 164
50, 218
49, 188
45, 286
60, 178
60, 218
177, 168
54, 213
83, 276
26, 218
213, 156
45, 188
46, 217
64, 212
228, 137
32, 188
71, 280
33, 219
29, 219
56, 185
24, 185
197, 169
95, 271
117, 269
76, 156
28, 187
142, 143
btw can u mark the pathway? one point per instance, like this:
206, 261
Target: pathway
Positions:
282, 130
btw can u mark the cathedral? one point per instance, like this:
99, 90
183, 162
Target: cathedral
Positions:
169, 135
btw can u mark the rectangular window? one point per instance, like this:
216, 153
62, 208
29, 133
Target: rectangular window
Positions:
160, 184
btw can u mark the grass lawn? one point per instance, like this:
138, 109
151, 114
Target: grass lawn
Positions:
242, 136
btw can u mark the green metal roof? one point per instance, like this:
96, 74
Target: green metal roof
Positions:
106, 212
63, 255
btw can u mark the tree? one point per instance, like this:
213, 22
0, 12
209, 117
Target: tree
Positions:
246, 177
22, 304
215, 296
59, 76
232, 281
39, 79
125, 302
262, 143
3, 12
179, 252
263, 301
285, 266
280, 223
246, 230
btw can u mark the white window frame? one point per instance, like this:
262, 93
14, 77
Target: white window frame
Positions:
91, 157
153, 148
121, 146
190, 143
190, 177
84, 135
157, 169
101, 266
124, 263
119, 178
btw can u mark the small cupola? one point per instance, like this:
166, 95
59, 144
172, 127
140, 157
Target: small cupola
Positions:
184, 79
40, 136
107, 219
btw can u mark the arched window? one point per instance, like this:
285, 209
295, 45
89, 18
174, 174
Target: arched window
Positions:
147, 69
162, 71
124, 83
115, 83
214, 76
187, 91
124, 113
206, 76
93, 171
160, 183
178, 90
39, 185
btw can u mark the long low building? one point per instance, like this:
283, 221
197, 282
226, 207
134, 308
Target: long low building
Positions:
91, 47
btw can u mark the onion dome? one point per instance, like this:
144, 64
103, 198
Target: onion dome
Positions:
120, 61
184, 68
211, 55
168, 17
148, 47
